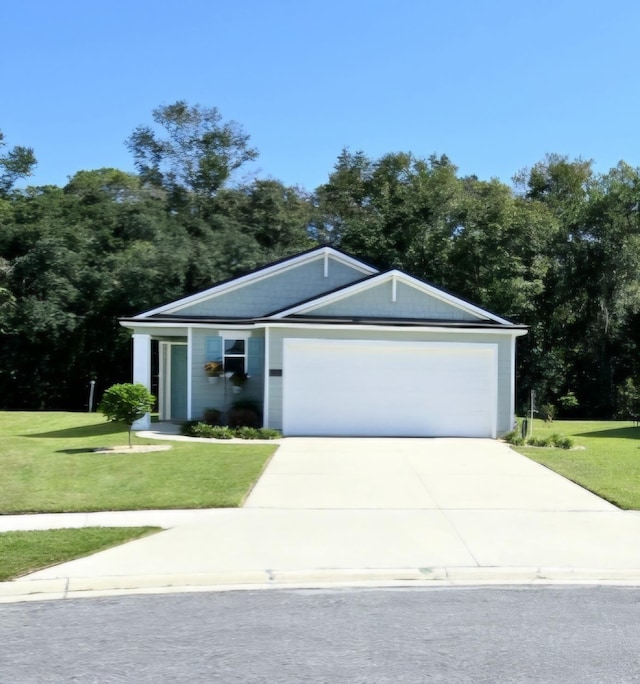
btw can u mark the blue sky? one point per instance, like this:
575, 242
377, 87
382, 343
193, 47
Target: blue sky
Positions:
494, 85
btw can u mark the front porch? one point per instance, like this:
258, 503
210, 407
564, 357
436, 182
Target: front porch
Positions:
173, 368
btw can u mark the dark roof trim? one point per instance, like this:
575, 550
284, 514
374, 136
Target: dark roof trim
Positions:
430, 322
337, 321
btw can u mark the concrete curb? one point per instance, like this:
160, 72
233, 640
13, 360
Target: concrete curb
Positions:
93, 587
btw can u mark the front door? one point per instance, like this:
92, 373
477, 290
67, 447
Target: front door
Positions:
178, 382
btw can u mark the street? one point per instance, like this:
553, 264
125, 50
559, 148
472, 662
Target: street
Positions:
472, 634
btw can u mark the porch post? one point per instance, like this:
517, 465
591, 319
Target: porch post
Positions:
512, 385
142, 371
189, 373
265, 401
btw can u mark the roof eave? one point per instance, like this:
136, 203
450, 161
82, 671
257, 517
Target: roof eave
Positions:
324, 321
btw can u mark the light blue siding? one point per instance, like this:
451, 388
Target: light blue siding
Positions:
220, 394
377, 302
276, 291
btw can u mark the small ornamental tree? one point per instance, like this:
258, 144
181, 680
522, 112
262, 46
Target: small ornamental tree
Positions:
126, 403
629, 400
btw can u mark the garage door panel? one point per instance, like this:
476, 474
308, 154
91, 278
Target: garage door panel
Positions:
389, 389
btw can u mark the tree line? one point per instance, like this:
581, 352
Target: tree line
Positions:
558, 250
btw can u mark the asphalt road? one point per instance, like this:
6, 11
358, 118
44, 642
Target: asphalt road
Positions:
476, 634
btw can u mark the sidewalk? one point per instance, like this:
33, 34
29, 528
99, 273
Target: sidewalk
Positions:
363, 512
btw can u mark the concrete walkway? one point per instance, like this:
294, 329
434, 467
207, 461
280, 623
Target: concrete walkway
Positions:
380, 511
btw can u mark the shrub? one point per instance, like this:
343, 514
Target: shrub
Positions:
514, 438
212, 416
242, 417
126, 403
246, 432
569, 403
211, 431
561, 441
555, 440
269, 433
548, 412
628, 400
199, 429
219, 432
539, 441
245, 413
187, 428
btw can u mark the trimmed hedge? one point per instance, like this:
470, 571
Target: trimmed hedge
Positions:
200, 429
557, 441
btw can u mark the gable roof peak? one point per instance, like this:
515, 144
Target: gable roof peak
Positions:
375, 279
263, 272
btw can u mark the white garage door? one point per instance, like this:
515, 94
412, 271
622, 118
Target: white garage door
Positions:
361, 387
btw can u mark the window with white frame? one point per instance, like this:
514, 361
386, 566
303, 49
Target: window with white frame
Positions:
234, 349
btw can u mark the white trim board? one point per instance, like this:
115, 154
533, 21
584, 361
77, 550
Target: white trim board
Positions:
517, 332
189, 373
267, 366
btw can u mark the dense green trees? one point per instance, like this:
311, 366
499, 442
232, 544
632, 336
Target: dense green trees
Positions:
17, 162
110, 244
559, 250
198, 155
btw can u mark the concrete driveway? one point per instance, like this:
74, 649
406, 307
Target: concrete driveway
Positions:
339, 510
464, 503
413, 474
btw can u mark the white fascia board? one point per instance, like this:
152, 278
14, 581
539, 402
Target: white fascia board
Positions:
393, 328
179, 329
322, 252
327, 326
392, 276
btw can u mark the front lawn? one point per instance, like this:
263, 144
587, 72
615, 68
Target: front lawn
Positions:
25, 552
609, 464
48, 467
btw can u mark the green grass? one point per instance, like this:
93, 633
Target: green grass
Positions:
25, 552
609, 464
47, 465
